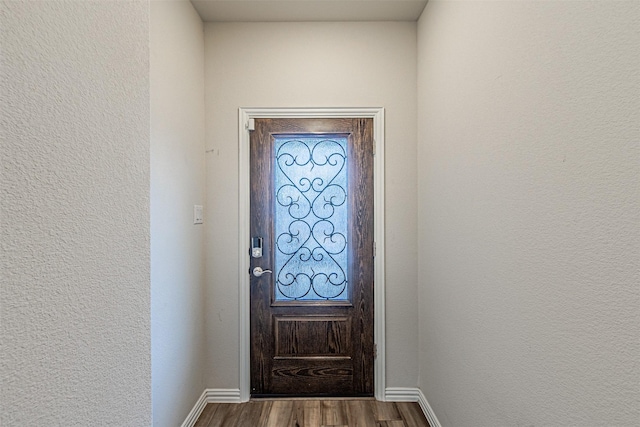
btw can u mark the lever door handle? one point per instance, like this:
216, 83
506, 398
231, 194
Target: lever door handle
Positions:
259, 271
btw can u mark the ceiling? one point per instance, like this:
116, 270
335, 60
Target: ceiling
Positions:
308, 10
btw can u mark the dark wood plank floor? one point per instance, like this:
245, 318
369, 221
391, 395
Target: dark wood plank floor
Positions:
312, 413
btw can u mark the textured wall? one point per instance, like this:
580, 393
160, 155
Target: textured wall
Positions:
528, 215
74, 119
177, 183
310, 65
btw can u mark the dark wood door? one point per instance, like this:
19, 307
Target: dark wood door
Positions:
312, 206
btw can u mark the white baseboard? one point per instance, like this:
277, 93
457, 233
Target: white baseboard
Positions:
211, 395
402, 394
428, 411
412, 394
223, 395
196, 411
392, 394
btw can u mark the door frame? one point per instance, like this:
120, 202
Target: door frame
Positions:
245, 117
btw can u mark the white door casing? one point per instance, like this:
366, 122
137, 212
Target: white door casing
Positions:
244, 117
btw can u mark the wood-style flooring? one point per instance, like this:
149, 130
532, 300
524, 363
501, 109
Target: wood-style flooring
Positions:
313, 413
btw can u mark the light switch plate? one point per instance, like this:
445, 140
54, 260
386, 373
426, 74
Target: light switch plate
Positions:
197, 214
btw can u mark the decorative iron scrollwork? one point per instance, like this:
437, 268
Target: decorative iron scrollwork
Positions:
311, 218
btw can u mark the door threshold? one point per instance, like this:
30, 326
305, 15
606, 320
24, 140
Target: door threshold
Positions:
266, 398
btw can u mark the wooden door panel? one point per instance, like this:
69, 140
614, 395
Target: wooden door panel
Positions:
309, 336
323, 376
307, 343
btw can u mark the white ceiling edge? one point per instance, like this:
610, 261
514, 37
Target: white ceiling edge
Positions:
308, 10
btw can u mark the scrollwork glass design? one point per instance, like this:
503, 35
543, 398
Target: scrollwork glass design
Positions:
311, 218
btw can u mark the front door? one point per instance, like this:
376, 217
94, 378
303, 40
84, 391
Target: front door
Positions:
312, 257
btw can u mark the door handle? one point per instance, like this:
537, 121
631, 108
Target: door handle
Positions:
259, 271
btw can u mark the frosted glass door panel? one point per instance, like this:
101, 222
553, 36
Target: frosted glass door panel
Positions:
311, 218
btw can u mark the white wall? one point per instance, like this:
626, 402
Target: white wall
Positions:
310, 65
177, 183
74, 123
529, 211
